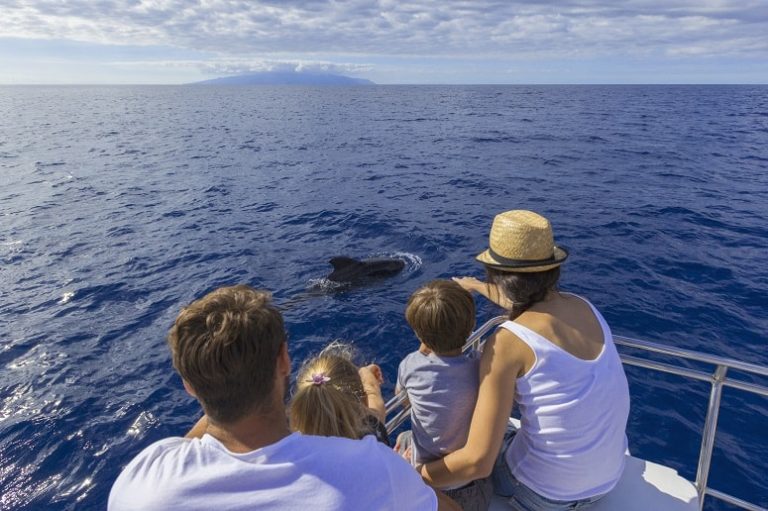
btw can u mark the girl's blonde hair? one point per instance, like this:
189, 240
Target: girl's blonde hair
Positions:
329, 399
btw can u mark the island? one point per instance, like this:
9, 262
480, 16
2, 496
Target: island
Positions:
286, 78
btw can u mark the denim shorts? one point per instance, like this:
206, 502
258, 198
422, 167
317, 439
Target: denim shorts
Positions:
474, 496
521, 498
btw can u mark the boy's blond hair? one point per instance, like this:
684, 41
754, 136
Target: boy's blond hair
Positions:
442, 314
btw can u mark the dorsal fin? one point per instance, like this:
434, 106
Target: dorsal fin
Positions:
342, 262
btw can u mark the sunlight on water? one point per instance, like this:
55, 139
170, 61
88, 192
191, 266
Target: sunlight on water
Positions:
143, 422
23, 488
11, 247
22, 404
66, 297
412, 261
157, 195
37, 358
80, 489
324, 284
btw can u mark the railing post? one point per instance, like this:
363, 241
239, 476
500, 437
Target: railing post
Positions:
708, 436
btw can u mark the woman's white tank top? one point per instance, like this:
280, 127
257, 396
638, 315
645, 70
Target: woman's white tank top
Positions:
572, 439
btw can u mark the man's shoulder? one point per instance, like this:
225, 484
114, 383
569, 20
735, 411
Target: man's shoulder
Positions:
384, 474
161, 448
147, 472
341, 447
336, 472
340, 454
152, 458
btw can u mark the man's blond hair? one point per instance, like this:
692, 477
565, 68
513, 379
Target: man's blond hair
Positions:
225, 346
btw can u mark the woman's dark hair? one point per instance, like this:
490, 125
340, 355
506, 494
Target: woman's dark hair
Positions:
523, 289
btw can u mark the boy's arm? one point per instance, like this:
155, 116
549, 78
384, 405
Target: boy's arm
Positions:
399, 387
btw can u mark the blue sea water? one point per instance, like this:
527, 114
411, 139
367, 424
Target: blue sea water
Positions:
118, 205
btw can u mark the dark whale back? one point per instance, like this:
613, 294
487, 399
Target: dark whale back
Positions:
347, 269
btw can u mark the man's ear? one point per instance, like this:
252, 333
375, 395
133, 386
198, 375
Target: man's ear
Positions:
284, 361
189, 388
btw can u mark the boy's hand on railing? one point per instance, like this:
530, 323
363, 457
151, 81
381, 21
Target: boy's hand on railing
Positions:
404, 446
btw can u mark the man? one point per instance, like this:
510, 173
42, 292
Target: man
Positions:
230, 349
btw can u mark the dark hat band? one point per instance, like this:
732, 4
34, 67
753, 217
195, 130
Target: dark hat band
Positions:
527, 263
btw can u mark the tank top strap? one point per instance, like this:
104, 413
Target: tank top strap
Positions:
607, 334
536, 342
540, 344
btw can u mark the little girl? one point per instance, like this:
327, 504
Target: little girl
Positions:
336, 398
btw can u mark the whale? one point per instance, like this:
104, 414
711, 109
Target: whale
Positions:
347, 270
347, 273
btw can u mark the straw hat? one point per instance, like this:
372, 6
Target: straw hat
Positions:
521, 241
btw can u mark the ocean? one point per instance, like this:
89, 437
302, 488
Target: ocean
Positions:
119, 205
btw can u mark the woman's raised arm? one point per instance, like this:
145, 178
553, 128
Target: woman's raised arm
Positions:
502, 362
490, 291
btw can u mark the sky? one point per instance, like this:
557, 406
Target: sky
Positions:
386, 41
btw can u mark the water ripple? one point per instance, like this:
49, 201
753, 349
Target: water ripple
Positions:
120, 204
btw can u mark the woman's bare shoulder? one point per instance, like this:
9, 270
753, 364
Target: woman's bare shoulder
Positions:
509, 349
569, 322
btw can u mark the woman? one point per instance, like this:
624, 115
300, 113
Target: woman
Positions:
556, 359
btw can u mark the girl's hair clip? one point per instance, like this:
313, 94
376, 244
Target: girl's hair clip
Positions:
319, 379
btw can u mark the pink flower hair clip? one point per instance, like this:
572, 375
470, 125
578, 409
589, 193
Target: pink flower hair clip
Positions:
319, 379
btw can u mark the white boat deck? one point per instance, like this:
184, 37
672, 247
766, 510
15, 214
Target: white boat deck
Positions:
645, 486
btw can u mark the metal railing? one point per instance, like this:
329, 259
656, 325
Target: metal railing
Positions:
718, 378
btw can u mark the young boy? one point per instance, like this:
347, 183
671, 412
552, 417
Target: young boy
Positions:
441, 381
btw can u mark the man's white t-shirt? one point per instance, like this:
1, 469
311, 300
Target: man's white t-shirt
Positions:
307, 473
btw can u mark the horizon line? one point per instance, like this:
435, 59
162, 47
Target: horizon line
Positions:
9, 84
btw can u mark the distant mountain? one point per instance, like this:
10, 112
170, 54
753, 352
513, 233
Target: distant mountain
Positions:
286, 78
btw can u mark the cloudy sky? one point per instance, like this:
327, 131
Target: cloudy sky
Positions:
387, 41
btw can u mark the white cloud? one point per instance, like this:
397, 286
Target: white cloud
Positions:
503, 29
233, 67
244, 66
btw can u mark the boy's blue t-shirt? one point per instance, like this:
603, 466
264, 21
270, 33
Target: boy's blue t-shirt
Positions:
442, 392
